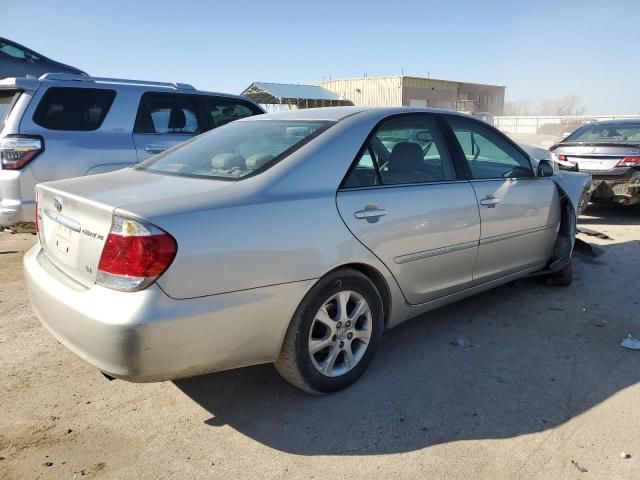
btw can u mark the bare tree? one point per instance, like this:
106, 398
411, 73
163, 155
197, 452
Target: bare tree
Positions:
568, 105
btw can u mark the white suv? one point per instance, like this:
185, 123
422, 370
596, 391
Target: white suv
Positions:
61, 126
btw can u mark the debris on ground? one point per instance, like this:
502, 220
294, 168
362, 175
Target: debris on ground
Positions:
625, 455
630, 342
593, 233
600, 323
579, 467
461, 341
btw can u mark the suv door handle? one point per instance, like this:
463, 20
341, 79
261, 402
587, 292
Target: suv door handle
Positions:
155, 148
370, 214
490, 201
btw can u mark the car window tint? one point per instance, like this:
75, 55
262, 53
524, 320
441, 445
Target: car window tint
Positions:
16, 52
606, 133
363, 173
167, 114
404, 150
225, 110
77, 109
488, 154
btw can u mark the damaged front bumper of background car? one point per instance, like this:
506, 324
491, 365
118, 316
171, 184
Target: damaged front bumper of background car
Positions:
622, 189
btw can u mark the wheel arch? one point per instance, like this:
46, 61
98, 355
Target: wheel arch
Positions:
378, 281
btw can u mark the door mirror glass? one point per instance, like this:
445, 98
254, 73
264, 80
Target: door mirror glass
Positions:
545, 168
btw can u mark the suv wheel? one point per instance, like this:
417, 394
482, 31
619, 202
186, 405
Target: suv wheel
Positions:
333, 335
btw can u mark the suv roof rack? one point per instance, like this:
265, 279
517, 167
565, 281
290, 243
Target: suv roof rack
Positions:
82, 78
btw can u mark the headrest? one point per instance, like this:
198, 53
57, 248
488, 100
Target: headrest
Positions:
226, 161
177, 120
257, 160
406, 156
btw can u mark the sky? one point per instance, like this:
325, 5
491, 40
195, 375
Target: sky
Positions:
539, 49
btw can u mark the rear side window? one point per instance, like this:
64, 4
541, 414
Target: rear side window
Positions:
224, 110
76, 109
165, 114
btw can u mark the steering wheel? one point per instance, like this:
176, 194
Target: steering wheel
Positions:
524, 171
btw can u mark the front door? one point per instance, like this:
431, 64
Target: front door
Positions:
519, 212
405, 202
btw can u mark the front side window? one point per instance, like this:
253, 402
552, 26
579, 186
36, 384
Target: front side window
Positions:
235, 150
224, 110
487, 153
74, 109
403, 150
167, 114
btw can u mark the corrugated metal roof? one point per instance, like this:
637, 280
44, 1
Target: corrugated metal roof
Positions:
286, 91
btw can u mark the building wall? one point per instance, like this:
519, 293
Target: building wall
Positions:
419, 92
368, 92
485, 98
426, 92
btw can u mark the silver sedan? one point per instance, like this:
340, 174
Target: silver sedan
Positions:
295, 238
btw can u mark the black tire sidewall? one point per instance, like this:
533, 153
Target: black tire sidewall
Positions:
304, 318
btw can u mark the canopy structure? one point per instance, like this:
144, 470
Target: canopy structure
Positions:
296, 96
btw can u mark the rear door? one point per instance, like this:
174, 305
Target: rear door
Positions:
404, 200
519, 212
165, 120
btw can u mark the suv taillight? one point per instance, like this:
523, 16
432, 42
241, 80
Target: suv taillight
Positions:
135, 254
17, 151
629, 162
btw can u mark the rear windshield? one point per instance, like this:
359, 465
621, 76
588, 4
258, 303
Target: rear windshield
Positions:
7, 100
235, 150
606, 133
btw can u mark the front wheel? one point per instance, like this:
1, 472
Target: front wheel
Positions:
334, 333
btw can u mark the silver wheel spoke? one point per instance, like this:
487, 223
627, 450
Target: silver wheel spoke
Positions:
362, 335
343, 301
323, 317
315, 345
362, 308
348, 358
327, 365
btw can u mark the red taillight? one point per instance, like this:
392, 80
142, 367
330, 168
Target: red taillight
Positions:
135, 254
561, 157
629, 162
17, 151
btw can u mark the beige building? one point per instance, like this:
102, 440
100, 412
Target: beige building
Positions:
395, 91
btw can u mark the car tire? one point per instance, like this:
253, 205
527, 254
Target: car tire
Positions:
349, 336
561, 278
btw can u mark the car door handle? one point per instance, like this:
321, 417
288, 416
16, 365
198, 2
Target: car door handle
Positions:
490, 201
370, 213
155, 148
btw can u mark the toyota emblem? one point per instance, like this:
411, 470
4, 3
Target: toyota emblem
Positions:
57, 204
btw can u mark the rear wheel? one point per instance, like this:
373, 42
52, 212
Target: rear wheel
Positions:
334, 333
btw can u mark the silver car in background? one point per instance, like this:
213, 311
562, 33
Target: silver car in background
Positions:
295, 238
61, 126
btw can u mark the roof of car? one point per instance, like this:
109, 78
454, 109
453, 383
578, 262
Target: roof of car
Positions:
338, 113
620, 121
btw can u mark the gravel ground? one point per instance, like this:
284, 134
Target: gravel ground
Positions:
544, 392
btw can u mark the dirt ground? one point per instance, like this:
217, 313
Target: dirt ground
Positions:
545, 392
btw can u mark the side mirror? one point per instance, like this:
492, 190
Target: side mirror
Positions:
545, 168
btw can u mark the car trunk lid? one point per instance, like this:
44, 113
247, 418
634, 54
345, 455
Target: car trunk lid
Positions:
75, 215
596, 157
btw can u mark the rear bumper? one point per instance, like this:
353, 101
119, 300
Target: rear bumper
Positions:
147, 336
17, 197
624, 189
